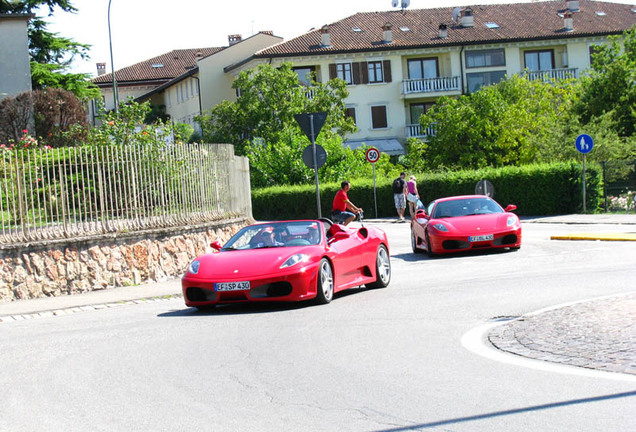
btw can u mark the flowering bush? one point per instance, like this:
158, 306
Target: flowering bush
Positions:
624, 202
25, 141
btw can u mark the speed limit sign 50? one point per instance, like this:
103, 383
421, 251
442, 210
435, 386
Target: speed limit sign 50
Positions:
373, 155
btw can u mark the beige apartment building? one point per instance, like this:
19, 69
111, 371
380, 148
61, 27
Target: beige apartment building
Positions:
398, 63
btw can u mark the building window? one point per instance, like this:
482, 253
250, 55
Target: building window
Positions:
305, 75
379, 117
418, 109
480, 79
539, 60
485, 58
593, 50
350, 112
422, 68
343, 71
375, 72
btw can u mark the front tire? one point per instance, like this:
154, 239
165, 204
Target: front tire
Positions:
324, 287
429, 248
382, 268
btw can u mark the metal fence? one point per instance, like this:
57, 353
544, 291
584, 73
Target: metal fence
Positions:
48, 194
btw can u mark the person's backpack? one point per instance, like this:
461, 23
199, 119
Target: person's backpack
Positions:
398, 185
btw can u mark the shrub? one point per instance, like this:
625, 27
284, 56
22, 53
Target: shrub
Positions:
545, 189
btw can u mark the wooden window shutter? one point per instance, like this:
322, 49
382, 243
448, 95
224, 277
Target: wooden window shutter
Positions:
332, 71
355, 73
364, 69
387, 71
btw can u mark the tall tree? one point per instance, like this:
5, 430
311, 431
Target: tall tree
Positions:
52, 54
269, 99
496, 126
610, 88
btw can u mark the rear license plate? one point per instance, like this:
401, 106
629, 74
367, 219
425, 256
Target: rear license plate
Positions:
480, 238
232, 286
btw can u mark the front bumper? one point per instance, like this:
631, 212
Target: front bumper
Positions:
296, 285
448, 243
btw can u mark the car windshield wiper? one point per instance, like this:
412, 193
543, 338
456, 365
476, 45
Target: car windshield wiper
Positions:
268, 246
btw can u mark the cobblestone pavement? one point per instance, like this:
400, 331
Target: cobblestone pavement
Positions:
598, 334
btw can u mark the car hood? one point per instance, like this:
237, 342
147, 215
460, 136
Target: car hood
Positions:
248, 263
475, 223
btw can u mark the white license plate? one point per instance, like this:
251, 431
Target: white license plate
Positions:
480, 238
232, 286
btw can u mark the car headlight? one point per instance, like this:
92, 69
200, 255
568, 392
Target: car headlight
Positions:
194, 267
511, 221
440, 227
295, 259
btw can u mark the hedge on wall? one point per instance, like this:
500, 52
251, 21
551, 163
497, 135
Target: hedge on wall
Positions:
537, 190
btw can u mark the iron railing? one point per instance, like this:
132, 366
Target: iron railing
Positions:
552, 74
48, 194
417, 131
430, 85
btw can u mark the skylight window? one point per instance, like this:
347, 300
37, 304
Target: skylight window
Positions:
492, 25
405, 29
157, 65
357, 29
600, 13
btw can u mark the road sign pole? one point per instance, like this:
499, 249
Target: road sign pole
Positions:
584, 205
313, 147
375, 196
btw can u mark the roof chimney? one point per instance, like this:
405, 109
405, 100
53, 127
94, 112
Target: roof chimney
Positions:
568, 25
572, 5
443, 31
467, 19
388, 33
234, 39
325, 37
101, 69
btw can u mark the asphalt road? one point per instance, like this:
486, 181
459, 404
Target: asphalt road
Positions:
393, 359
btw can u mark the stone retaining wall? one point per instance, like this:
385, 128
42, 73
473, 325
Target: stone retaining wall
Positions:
57, 268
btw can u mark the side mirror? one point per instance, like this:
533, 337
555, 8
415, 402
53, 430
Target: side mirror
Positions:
510, 208
216, 245
421, 214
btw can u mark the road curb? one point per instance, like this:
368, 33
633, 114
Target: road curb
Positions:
597, 236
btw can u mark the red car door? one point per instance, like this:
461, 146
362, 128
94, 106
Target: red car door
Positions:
345, 244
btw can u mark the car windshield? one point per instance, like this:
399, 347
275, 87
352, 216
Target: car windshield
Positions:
465, 207
276, 234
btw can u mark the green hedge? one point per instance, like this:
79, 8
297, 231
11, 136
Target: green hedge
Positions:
537, 190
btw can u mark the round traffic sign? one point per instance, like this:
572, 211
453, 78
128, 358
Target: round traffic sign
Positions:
584, 143
308, 156
373, 155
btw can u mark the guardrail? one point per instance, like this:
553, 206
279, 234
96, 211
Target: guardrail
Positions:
430, 85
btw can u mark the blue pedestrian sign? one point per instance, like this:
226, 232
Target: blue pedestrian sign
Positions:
584, 143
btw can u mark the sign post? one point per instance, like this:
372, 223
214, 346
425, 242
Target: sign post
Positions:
311, 124
373, 155
584, 144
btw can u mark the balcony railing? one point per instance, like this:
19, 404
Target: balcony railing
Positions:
417, 131
431, 85
552, 74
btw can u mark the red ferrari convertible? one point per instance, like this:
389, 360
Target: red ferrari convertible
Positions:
462, 223
288, 261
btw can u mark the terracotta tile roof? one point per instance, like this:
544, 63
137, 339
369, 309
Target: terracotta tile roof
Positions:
520, 21
174, 63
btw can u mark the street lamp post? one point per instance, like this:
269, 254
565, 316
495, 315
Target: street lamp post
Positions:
112, 66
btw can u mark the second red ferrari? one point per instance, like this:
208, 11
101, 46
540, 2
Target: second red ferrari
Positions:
463, 223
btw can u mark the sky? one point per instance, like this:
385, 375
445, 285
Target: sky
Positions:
142, 29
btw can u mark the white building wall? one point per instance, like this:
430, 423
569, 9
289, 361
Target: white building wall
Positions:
216, 85
15, 69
